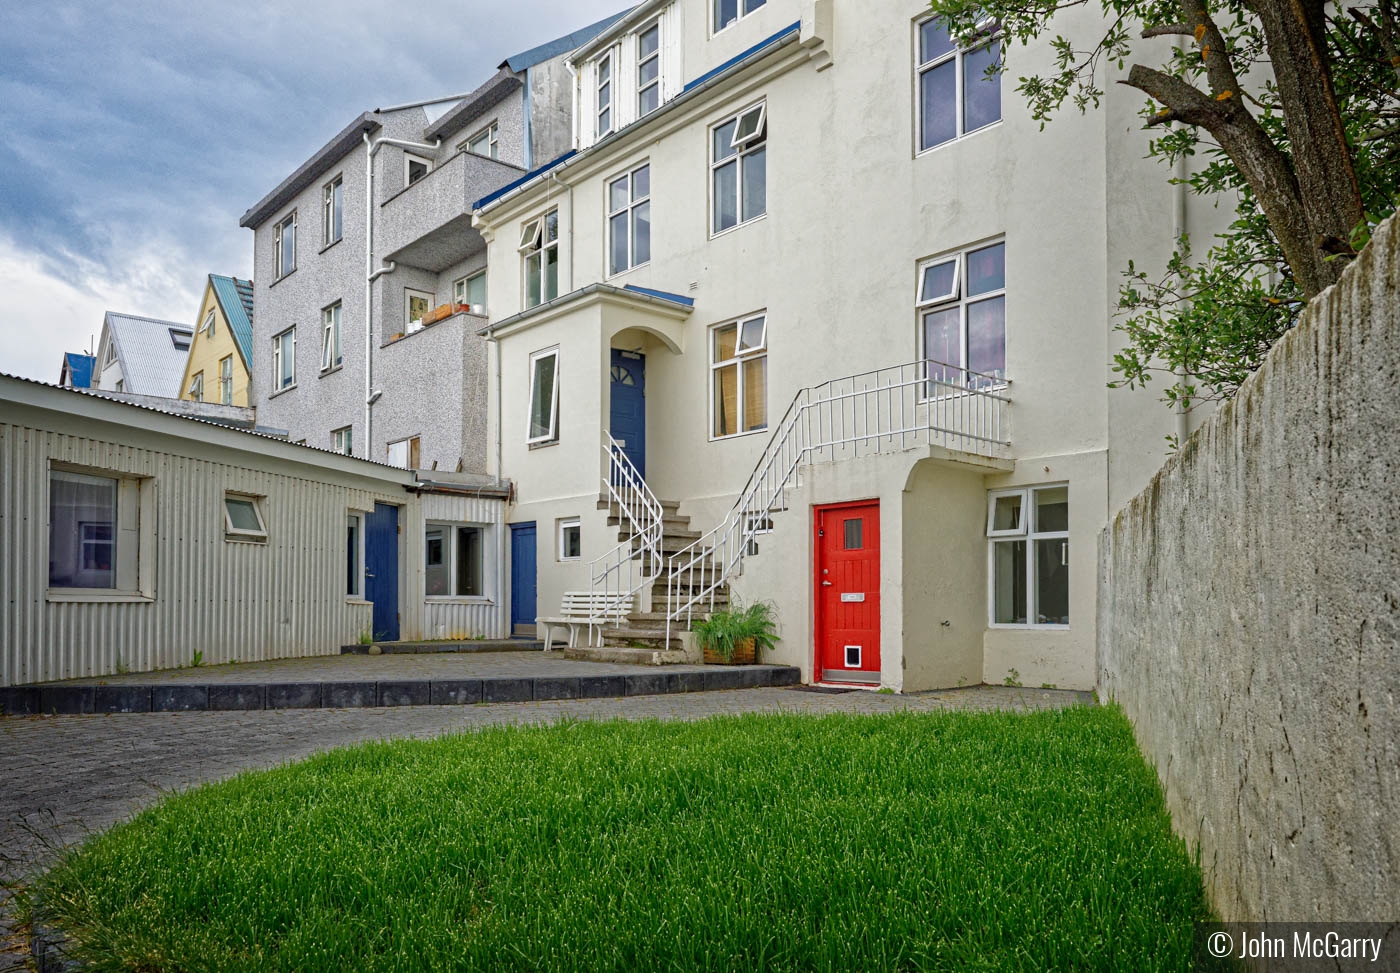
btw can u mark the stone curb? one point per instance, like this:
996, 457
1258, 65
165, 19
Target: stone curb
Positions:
433, 648
180, 697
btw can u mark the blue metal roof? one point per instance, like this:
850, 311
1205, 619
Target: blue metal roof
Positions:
487, 200
743, 56
236, 298
663, 295
80, 368
561, 45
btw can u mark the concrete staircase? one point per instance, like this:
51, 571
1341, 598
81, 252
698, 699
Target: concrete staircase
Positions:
641, 637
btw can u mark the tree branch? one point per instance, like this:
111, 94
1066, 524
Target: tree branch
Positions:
1182, 29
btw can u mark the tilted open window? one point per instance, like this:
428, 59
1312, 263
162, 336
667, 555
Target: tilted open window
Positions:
243, 519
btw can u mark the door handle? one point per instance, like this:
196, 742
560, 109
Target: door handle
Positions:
826, 584
368, 575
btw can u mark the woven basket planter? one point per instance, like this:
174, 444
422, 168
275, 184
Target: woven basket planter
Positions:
744, 655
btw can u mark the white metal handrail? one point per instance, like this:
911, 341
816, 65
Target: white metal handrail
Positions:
626, 569
890, 409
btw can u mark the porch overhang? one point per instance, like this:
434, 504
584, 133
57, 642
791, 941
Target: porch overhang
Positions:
657, 312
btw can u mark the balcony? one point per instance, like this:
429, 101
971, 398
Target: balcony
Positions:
429, 224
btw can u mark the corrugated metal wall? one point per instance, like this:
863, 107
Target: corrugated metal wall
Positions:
488, 617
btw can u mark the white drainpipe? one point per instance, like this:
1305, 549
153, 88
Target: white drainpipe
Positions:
372, 147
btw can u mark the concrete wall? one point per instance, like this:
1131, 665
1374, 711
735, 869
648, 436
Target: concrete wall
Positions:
1250, 625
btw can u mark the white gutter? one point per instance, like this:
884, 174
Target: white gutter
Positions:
372, 147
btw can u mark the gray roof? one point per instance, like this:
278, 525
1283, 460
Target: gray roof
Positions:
561, 45
150, 352
472, 107
330, 153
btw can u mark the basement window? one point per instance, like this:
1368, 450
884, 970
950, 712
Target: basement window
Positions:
243, 519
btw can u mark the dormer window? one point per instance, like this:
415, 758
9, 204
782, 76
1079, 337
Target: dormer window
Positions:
604, 95
649, 70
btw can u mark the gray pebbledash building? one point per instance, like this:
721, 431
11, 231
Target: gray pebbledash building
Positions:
371, 280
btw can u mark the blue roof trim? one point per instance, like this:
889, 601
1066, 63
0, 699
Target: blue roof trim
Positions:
663, 295
561, 45
80, 368
488, 200
743, 56
231, 298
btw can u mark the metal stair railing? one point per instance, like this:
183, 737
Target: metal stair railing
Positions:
626, 569
886, 410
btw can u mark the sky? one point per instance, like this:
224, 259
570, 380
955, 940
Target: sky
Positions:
137, 132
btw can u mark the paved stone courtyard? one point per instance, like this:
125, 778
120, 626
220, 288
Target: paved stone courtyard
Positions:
67, 776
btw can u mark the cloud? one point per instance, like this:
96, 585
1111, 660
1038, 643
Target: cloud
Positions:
138, 133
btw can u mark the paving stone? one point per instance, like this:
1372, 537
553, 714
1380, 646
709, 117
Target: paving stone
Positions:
294, 695
405, 693
555, 688
595, 687
237, 697
502, 690
646, 683
344, 695
179, 699
121, 699
455, 692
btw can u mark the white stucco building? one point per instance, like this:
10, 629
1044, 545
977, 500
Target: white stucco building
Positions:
843, 302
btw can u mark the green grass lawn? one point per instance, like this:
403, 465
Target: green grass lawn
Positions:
953, 841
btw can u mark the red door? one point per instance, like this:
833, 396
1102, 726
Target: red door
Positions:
848, 593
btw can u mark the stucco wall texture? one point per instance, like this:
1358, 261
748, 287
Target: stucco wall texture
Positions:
1250, 618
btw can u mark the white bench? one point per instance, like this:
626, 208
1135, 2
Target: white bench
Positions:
586, 609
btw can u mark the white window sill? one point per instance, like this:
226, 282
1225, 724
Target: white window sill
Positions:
284, 391
96, 595
1016, 627
738, 226
627, 270
260, 539
355, 600
458, 600
738, 435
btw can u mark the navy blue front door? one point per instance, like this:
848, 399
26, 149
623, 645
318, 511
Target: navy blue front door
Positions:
522, 575
382, 570
629, 406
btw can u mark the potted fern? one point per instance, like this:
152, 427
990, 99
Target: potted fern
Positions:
735, 636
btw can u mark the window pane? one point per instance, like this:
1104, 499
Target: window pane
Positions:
1052, 509
747, 125
617, 251
986, 337
352, 555
641, 234
532, 280
435, 564
943, 343
641, 183
1006, 513
723, 136
755, 183
938, 97
476, 291
726, 12
986, 269
756, 393
287, 360
751, 336
648, 71
338, 194
853, 531
1009, 582
649, 41
572, 541
242, 514
939, 282
751, 5
617, 194
604, 117
934, 41
289, 247
604, 69
551, 226
981, 94
650, 99
82, 531
726, 400
1052, 582
551, 274
542, 397
724, 342
529, 234
468, 561
726, 196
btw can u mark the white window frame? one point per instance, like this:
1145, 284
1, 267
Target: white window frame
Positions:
569, 523
742, 9
277, 355
759, 350
279, 244
956, 297
357, 518
196, 391
226, 380
343, 440
745, 147
604, 100
922, 67
491, 135
536, 245
208, 326
411, 445
111, 355
409, 294
644, 59
332, 207
133, 540
450, 560
629, 208
332, 356
459, 291
408, 159
1027, 531
240, 533
552, 435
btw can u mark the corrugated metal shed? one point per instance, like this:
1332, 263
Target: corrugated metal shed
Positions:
152, 352
236, 298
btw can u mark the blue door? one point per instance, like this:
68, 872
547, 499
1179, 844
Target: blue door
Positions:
628, 421
382, 570
522, 576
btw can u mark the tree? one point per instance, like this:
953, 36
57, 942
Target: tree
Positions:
1296, 104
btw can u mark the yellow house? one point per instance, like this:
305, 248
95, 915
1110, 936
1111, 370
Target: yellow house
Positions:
221, 355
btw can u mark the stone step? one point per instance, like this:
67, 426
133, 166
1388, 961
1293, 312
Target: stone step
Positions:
668, 507
628, 655
667, 523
